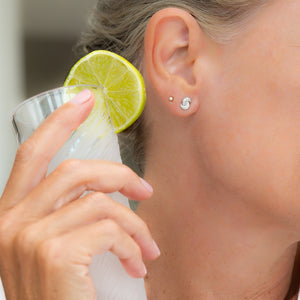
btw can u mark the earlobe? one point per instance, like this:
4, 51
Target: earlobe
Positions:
172, 47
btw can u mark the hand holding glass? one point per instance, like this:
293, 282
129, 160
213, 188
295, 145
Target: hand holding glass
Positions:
94, 139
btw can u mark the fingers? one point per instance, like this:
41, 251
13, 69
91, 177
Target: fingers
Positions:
90, 240
90, 209
73, 177
34, 155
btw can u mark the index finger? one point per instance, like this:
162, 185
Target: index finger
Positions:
34, 155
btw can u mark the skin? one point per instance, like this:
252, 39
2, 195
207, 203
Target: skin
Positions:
226, 172
44, 244
225, 175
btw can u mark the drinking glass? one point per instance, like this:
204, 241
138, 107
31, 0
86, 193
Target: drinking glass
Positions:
93, 139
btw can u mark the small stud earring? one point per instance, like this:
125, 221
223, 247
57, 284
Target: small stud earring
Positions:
171, 99
186, 103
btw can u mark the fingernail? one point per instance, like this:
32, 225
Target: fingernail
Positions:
82, 97
156, 248
147, 185
143, 270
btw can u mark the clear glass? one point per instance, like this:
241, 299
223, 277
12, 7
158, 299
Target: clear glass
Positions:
94, 139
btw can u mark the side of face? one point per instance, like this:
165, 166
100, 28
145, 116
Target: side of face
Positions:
250, 117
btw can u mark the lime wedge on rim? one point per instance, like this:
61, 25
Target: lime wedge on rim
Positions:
122, 85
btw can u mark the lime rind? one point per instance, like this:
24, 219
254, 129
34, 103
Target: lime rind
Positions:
122, 85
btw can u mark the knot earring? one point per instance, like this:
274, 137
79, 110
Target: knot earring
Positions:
186, 103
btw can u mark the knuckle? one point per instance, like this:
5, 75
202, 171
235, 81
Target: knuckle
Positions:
136, 251
69, 166
109, 228
4, 226
142, 227
126, 171
97, 200
26, 150
49, 253
25, 240
6, 232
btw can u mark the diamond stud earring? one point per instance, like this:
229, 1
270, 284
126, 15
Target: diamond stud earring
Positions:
186, 103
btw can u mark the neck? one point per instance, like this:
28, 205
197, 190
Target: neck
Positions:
214, 246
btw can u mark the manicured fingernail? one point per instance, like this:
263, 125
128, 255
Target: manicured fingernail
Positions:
82, 97
147, 185
156, 248
143, 270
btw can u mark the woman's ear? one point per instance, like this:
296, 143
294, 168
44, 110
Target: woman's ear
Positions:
174, 44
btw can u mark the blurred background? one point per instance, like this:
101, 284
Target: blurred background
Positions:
36, 54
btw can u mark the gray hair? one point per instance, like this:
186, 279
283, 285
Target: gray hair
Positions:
119, 26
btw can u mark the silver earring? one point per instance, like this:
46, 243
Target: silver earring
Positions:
186, 103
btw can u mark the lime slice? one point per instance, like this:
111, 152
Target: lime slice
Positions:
122, 85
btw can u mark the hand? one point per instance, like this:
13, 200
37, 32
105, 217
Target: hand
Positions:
49, 233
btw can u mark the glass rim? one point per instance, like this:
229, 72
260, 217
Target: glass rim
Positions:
26, 101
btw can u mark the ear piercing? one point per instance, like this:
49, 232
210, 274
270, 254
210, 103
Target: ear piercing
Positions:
186, 103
